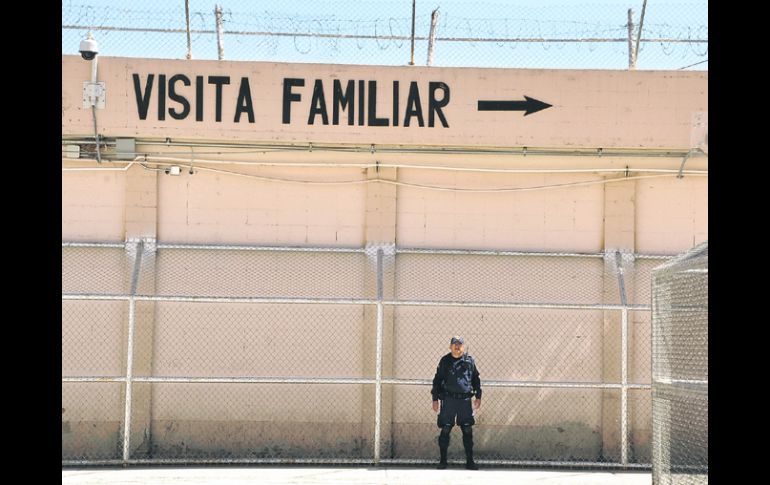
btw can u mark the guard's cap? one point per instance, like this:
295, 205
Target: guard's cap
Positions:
457, 340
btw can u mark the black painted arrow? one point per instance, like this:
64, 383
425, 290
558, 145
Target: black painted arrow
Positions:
529, 106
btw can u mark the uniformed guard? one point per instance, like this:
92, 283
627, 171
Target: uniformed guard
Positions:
456, 381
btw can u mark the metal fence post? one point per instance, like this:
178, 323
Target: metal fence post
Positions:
220, 33
414, 7
138, 249
623, 363
378, 364
624, 390
639, 35
631, 52
187, 19
432, 36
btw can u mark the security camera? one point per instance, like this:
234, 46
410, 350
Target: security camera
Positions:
89, 48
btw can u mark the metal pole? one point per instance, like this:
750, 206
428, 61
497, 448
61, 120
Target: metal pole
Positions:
129, 364
340, 301
631, 58
344, 461
414, 8
187, 17
94, 70
432, 36
139, 249
230, 247
73, 244
220, 40
398, 382
94, 76
623, 361
624, 389
639, 35
378, 364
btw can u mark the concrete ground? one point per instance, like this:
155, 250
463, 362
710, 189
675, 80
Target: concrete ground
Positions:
343, 475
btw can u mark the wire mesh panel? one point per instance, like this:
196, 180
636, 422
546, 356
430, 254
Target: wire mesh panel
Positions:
640, 425
533, 424
639, 351
93, 338
95, 269
680, 434
640, 278
680, 369
91, 420
508, 343
528, 346
513, 279
274, 421
254, 273
640, 400
255, 340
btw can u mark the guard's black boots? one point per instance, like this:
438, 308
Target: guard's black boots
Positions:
443, 446
442, 462
468, 445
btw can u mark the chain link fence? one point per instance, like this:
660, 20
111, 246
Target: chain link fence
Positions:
671, 34
680, 369
226, 354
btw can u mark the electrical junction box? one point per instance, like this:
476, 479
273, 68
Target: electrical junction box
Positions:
70, 151
125, 148
94, 94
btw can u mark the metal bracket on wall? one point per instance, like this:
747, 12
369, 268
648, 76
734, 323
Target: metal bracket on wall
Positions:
621, 281
684, 160
681, 167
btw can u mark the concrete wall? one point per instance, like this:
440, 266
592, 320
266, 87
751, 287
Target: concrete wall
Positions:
214, 208
671, 214
230, 199
93, 206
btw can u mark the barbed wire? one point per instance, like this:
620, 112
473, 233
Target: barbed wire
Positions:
478, 34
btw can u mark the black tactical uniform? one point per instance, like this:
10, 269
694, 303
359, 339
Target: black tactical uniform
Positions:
455, 382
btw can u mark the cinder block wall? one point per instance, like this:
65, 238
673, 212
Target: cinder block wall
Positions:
242, 340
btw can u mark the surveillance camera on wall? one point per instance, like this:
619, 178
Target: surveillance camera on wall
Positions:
89, 48
94, 91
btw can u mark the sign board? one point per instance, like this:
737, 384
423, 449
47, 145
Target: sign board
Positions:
326, 103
